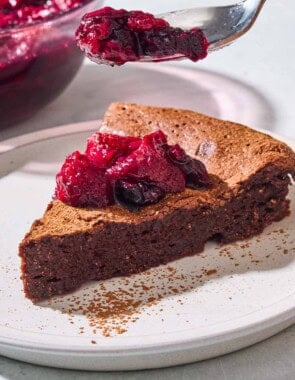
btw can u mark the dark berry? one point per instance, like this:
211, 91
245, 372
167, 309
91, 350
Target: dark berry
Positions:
196, 175
177, 155
134, 194
79, 183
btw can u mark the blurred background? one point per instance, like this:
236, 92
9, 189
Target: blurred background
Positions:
252, 81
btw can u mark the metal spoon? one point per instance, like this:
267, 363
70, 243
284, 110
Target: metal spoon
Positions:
220, 24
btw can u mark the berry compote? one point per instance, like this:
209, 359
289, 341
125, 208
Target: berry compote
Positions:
26, 12
132, 172
37, 58
118, 36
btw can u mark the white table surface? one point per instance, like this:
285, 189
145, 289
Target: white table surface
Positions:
264, 60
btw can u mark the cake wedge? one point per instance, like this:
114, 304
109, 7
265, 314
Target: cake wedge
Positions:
250, 172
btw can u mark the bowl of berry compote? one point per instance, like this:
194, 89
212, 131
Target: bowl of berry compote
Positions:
38, 53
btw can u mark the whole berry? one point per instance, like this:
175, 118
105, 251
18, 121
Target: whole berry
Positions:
79, 183
134, 194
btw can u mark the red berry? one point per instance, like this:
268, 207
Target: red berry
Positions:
104, 149
130, 171
149, 162
79, 183
140, 21
118, 36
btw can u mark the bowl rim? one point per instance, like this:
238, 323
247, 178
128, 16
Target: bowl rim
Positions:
46, 21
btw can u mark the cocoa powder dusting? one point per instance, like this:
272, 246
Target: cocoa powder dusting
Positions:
113, 305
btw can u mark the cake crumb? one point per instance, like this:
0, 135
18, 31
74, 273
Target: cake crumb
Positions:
210, 272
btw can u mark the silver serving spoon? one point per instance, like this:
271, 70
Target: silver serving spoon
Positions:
220, 24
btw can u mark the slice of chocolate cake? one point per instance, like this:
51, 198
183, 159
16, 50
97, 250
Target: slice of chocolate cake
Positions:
250, 173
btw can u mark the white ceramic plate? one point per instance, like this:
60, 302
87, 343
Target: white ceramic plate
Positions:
196, 308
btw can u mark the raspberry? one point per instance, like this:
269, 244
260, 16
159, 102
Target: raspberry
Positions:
79, 183
104, 149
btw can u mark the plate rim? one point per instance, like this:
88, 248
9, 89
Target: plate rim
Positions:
286, 318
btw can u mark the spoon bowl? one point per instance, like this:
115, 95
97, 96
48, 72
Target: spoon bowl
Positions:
221, 24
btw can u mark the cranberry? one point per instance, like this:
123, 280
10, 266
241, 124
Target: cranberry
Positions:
79, 183
118, 36
150, 162
134, 194
104, 149
196, 175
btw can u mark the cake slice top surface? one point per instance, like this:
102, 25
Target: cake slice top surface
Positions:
231, 152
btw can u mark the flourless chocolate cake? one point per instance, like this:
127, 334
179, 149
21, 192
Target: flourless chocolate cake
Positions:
250, 173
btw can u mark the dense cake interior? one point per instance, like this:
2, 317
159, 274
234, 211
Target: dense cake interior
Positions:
251, 174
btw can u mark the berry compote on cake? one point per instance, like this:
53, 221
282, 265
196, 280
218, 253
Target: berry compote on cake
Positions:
130, 171
118, 36
159, 174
